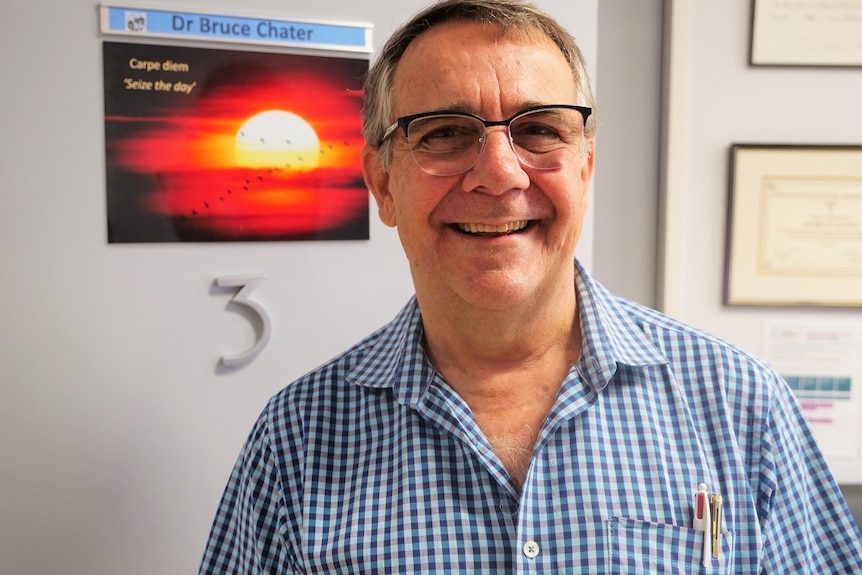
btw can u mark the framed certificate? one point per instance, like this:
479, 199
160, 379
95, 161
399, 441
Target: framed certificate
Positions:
801, 33
794, 226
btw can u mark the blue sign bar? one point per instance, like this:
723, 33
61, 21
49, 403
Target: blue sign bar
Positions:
131, 21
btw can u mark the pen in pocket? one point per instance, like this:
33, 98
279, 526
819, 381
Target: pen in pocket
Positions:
703, 523
715, 512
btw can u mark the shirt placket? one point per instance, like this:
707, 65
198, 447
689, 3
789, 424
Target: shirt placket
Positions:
537, 545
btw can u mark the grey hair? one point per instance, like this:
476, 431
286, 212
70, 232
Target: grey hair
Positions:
509, 15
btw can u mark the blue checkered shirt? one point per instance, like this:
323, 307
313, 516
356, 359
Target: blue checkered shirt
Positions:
373, 464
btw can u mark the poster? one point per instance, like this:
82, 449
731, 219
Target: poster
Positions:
213, 145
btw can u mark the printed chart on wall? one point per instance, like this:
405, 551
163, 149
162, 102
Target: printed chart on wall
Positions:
822, 363
212, 144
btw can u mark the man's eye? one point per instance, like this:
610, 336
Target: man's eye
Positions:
536, 130
444, 137
443, 133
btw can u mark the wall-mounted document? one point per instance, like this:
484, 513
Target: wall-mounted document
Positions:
803, 33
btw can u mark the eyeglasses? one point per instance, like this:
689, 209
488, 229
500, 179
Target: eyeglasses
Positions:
449, 143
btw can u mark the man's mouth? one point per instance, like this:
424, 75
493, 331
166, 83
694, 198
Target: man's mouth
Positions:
489, 229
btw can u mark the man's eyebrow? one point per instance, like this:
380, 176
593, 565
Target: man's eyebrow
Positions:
461, 108
448, 108
530, 104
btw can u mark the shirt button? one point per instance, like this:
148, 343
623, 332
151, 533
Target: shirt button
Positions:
531, 549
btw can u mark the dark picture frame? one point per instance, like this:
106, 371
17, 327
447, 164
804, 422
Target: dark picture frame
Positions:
806, 34
794, 225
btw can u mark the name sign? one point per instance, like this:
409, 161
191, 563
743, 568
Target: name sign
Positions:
161, 23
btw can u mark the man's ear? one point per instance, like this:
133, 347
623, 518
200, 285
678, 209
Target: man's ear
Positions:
589, 163
377, 181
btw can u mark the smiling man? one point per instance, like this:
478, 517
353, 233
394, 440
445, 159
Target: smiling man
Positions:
490, 239
515, 417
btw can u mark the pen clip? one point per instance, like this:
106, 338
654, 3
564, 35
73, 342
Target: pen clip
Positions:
715, 512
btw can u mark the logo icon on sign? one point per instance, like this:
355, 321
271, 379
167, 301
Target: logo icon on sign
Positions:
136, 21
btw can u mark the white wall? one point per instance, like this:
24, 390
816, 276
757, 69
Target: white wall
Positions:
117, 432
731, 102
727, 101
627, 150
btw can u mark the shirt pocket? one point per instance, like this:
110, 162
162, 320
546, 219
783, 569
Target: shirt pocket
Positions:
645, 547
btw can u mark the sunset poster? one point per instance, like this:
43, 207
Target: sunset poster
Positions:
214, 145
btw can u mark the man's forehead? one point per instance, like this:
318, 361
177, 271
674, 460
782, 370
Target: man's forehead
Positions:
441, 36
453, 65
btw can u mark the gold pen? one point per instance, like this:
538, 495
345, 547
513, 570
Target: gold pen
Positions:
715, 505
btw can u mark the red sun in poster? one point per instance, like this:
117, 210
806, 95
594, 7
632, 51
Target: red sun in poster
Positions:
225, 145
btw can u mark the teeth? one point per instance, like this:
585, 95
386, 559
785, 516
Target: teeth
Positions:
490, 229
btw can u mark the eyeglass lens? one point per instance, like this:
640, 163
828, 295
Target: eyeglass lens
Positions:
449, 144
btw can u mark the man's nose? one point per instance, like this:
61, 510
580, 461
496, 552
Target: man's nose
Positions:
497, 169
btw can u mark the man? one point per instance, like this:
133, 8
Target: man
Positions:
515, 417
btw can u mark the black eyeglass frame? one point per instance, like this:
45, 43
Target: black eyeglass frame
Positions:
404, 121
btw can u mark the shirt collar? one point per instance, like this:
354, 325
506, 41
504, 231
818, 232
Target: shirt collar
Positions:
611, 334
394, 357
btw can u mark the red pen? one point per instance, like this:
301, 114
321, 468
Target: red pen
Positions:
702, 522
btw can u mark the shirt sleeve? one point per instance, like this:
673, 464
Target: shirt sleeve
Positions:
807, 526
247, 535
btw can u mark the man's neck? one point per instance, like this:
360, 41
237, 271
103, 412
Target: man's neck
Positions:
508, 367
498, 355
471, 346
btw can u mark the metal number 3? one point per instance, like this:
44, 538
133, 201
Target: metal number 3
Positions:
247, 284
